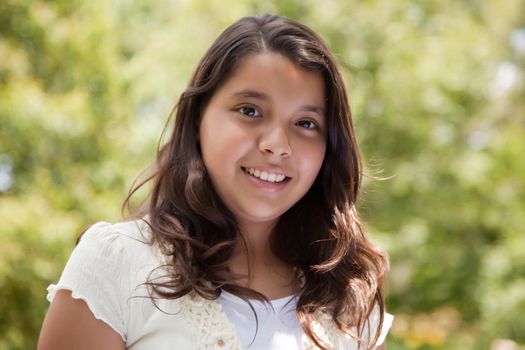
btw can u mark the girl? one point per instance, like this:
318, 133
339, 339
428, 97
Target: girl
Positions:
250, 237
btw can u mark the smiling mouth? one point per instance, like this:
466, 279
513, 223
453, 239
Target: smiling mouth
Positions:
266, 176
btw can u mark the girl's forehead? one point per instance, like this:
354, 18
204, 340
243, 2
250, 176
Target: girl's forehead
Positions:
273, 75
269, 62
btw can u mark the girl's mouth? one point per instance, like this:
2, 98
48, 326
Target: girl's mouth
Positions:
265, 175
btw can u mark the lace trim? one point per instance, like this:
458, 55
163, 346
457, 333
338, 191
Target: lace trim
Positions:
330, 336
217, 332
211, 323
324, 329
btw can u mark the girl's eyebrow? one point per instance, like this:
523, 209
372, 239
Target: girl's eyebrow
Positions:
315, 109
264, 97
251, 94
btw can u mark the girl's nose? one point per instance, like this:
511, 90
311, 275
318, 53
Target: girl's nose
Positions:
275, 142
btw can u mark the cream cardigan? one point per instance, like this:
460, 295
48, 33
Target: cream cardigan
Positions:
107, 270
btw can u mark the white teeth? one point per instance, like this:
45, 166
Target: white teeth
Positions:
265, 176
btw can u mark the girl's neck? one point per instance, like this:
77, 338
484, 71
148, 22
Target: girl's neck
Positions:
252, 248
257, 237
262, 270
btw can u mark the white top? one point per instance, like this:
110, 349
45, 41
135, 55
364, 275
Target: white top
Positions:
277, 325
107, 270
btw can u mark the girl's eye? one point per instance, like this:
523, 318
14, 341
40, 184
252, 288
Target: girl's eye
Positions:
307, 124
249, 111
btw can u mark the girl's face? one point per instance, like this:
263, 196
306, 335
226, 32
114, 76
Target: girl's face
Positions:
263, 137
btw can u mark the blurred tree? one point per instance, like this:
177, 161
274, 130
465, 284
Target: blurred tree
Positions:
437, 93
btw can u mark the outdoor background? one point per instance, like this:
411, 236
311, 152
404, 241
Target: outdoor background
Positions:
438, 96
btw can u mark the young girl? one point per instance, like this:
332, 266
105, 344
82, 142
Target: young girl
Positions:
250, 238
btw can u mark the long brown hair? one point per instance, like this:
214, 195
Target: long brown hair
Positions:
321, 236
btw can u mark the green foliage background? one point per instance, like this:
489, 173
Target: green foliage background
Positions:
437, 89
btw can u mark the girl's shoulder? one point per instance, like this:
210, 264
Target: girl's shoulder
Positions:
108, 267
117, 256
326, 329
137, 230
123, 240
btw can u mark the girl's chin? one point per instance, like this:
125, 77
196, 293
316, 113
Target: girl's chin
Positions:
258, 218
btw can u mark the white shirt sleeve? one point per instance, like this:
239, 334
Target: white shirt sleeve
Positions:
98, 273
387, 324
371, 328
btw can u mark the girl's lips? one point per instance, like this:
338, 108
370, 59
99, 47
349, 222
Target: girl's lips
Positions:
265, 174
266, 185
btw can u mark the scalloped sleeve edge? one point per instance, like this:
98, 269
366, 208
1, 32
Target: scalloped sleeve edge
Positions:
54, 288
